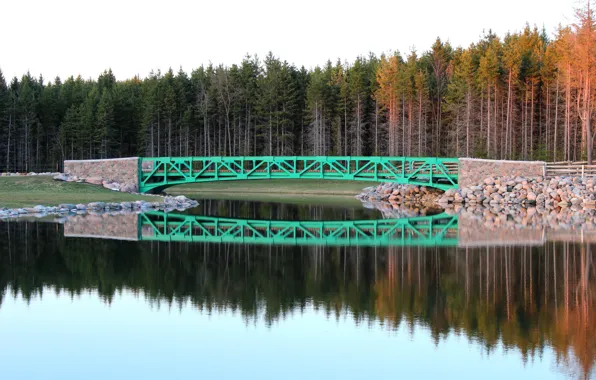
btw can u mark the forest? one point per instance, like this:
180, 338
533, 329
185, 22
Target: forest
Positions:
527, 95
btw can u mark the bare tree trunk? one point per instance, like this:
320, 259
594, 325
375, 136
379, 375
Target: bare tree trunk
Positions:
270, 134
152, 142
403, 125
586, 119
377, 128
488, 108
568, 116
526, 138
8, 143
532, 108
358, 129
556, 120
345, 128
409, 127
419, 123
508, 120
468, 112
169, 136
547, 117
158, 135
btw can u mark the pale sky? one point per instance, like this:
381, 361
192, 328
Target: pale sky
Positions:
71, 37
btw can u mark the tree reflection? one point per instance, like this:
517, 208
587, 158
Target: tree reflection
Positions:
523, 298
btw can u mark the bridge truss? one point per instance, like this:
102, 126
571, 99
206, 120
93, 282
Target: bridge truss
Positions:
158, 173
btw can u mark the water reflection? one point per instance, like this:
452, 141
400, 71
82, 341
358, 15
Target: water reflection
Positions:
282, 211
527, 299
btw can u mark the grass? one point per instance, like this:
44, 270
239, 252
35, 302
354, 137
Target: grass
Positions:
275, 186
293, 191
28, 191
21, 191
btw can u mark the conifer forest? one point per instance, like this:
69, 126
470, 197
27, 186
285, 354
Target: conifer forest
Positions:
527, 95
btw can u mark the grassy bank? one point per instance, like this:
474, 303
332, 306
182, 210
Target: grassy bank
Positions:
30, 191
295, 191
275, 186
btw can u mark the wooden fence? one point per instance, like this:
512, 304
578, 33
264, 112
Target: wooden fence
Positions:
569, 168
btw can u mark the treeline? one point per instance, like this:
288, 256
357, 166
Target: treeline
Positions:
524, 96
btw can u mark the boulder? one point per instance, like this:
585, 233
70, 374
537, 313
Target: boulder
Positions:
126, 205
96, 206
129, 188
111, 186
113, 206
94, 180
62, 177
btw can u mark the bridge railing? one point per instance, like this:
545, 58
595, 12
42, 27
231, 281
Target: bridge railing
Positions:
161, 172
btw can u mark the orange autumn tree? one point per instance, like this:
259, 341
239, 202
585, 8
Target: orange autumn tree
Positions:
387, 95
584, 54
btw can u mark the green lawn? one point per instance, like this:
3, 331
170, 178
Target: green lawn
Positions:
340, 193
30, 191
273, 187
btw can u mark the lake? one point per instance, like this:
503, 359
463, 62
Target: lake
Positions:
293, 301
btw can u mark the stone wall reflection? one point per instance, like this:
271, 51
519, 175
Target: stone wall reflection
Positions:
103, 226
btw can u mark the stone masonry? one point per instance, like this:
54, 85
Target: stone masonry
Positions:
125, 171
474, 171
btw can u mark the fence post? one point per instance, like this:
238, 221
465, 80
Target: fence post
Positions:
583, 171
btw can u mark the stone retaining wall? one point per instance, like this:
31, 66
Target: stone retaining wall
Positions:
122, 170
474, 171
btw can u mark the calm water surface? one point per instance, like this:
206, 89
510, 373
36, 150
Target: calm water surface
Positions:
75, 308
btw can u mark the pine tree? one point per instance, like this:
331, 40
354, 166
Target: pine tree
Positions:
105, 124
4, 119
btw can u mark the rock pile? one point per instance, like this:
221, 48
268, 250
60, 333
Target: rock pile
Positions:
108, 184
167, 204
398, 211
550, 193
399, 195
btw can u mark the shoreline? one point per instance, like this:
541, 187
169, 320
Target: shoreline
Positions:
169, 203
551, 193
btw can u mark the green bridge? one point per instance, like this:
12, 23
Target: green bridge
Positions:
158, 173
436, 230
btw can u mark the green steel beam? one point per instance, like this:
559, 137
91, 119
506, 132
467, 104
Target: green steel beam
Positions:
436, 230
158, 173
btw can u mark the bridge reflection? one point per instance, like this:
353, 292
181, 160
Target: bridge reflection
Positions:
436, 230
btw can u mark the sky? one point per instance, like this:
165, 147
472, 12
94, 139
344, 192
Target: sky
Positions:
132, 37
